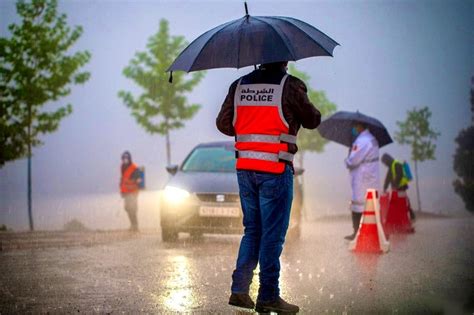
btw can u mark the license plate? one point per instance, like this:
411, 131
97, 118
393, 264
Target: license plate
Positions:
219, 212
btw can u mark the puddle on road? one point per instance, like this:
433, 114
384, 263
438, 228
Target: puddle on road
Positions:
179, 294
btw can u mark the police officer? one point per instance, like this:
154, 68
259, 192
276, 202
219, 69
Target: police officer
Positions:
264, 111
362, 163
396, 178
129, 186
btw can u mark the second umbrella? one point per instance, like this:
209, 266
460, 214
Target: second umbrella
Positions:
338, 127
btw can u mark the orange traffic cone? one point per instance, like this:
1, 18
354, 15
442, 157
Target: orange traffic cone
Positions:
384, 203
370, 236
398, 216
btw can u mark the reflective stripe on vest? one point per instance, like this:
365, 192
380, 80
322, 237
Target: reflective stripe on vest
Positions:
265, 156
267, 138
262, 133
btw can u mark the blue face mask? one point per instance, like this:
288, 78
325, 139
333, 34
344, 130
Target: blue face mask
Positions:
354, 132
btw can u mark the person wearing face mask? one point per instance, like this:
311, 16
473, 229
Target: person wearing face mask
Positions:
129, 186
363, 167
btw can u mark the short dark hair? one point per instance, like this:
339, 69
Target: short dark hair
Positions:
274, 65
387, 159
127, 155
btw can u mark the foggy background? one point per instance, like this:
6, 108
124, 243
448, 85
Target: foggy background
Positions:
394, 55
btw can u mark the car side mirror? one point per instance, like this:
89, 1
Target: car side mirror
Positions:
299, 171
172, 169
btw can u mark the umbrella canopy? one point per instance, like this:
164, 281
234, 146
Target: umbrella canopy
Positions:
254, 40
338, 127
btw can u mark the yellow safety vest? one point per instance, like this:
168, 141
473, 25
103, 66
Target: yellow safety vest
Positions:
404, 180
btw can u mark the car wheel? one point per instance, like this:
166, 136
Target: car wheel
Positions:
168, 234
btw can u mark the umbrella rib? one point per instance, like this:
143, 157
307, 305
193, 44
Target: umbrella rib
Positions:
238, 44
194, 41
306, 34
309, 25
210, 38
281, 35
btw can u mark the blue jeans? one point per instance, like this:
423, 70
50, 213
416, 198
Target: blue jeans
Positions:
266, 203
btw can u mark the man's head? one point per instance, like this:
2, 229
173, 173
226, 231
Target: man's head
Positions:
126, 157
387, 159
357, 128
281, 65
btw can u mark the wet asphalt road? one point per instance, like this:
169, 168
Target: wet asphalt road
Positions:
430, 272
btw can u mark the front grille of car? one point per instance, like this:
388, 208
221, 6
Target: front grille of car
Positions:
215, 198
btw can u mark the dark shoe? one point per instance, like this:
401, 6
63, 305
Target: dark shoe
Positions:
350, 237
241, 300
279, 306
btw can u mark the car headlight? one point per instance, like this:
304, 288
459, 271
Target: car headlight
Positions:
175, 194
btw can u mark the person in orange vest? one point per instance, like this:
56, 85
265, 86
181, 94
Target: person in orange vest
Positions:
129, 187
264, 111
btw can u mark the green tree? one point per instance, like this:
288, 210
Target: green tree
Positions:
464, 161
35, 69
162, 107
311, 140
417, 132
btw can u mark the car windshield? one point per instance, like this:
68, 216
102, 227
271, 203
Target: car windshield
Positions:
210, 159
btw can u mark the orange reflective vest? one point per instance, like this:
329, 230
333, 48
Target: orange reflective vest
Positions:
127, 184
262, 133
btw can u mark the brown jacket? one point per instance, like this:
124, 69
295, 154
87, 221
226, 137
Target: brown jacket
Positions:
297, 108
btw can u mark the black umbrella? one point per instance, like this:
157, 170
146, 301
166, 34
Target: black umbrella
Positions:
338, 127
253, 40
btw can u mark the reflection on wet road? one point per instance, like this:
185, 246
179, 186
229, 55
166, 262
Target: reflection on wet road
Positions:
428, 272
179, 294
